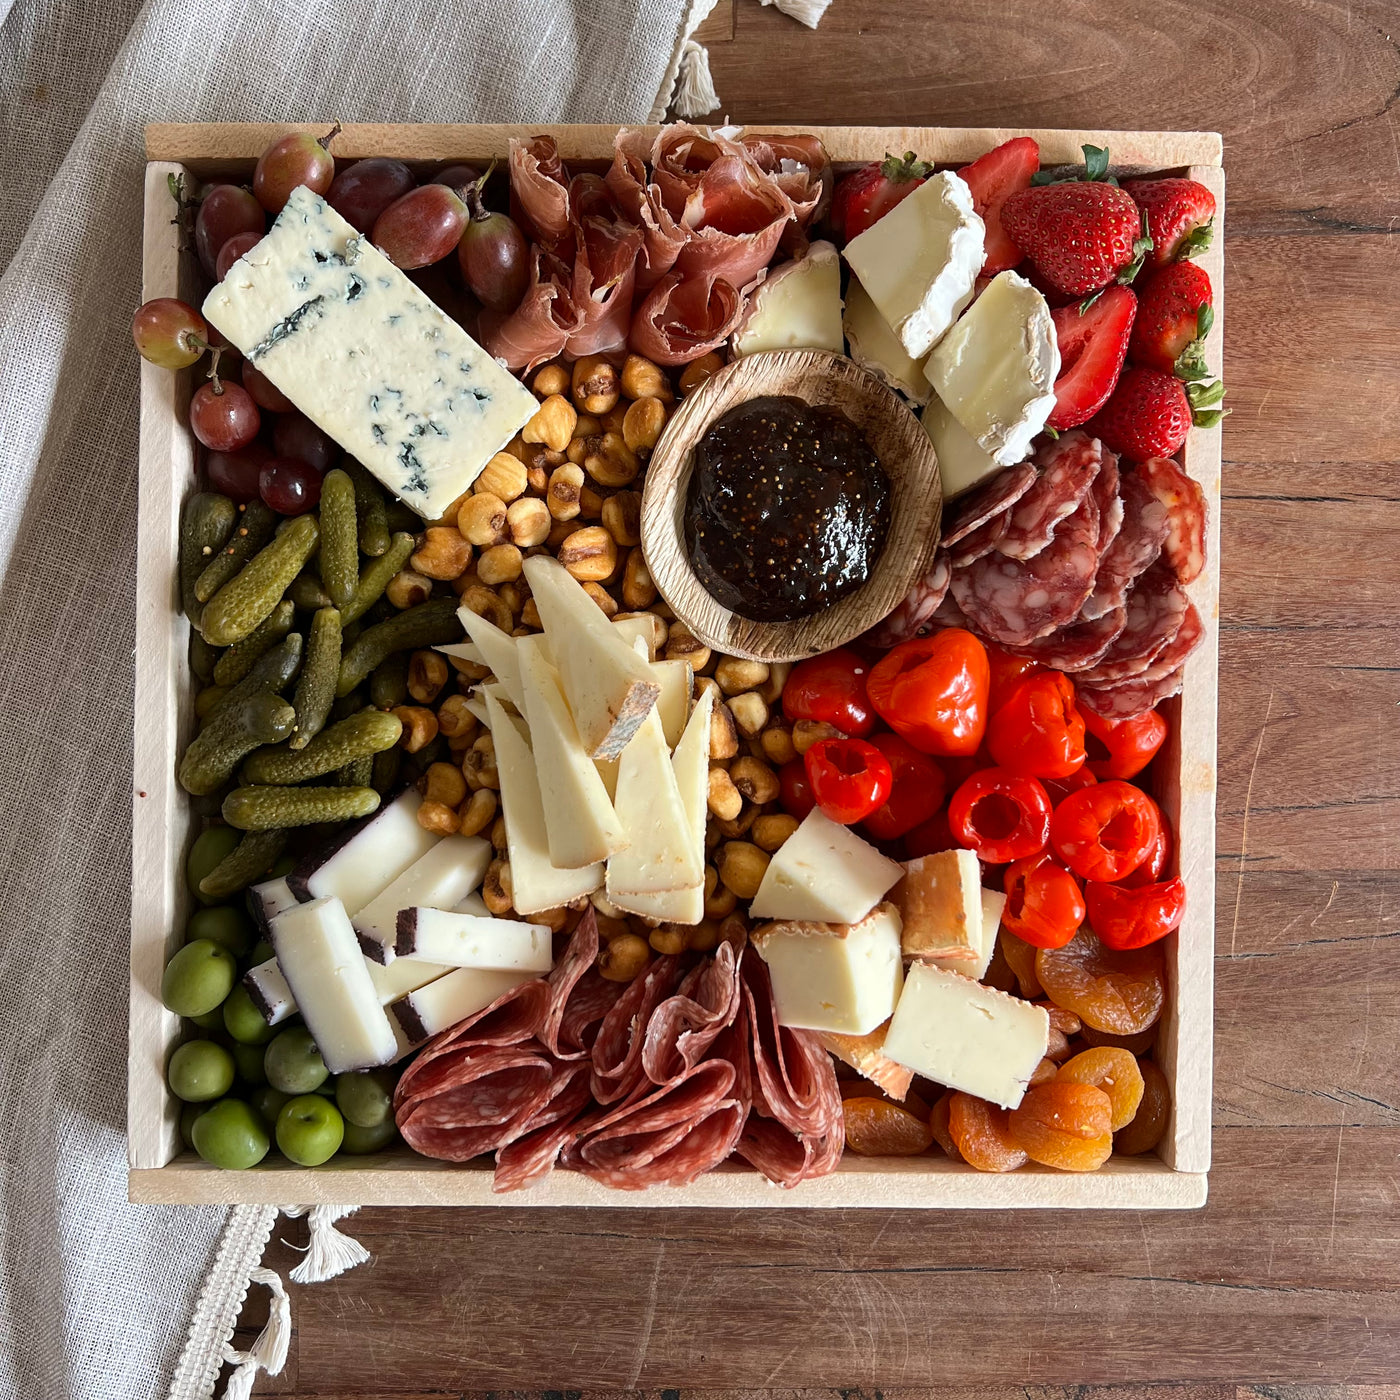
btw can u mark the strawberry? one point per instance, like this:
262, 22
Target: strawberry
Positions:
1093, 339
1150, 413
866, 195
1081, 236
1177, 213
993, 179
1174, 318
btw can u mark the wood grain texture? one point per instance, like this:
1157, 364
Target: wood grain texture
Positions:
1284, 1287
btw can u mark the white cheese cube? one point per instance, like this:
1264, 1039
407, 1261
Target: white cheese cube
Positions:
961, 462
993, 902
320, 957
443, 876
797, 306
957, 1032
919, 261
940, 901
467, 940
996, 369
834, 977
367, 356
824, 872
450, 999
874, 346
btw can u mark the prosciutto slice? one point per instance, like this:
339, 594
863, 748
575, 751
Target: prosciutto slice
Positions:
799, 166
662, 237
541, 326
539, 193
682, 318
606, 251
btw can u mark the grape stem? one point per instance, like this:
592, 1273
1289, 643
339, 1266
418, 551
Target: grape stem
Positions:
325, 141
214, 352
473, 196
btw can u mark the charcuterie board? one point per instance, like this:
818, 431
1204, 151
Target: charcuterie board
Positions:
1183, 777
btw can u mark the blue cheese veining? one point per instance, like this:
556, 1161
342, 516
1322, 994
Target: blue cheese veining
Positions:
367, 357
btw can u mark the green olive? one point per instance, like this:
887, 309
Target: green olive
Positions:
188, 1114
268, 1103
293, 1062
243, 1021
224, 924
229, 1134
197, 978
360, 1140
210, 848
366, 1097
200, 1071
310, 1130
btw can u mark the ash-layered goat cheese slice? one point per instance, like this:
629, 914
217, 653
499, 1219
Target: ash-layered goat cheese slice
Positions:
962, 463
273, 997
797, 306
269, 991
402, 976
368, 858
320, 957
919, 261
824, 873
367, 356
466, 940
268, 899
996, 369
957, 1032
462, 993
874, 346
441, 877
834, 977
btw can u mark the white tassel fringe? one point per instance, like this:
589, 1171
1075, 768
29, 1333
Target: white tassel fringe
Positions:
695, 88
328, 1252
808, 12
269, 1352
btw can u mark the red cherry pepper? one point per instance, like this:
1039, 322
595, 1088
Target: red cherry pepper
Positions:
794, 791
932, 691
1044, 904
1134, 918
918, 791
1154, 863
1000, 816
933, 835
831, 688
1122, 748
849, 778
1007, 672
1038, 731
1103, 832
1060, 788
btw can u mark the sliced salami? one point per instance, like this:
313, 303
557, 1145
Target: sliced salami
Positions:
530, 1155
1078, 646
978, 543
1184, 501
1156, 609
1137, 544
617, 1051
1110, 500
911, 617
684, 1026
982, 502
1174, 655
1068, 466
1130, 698
579, 996
1015, 602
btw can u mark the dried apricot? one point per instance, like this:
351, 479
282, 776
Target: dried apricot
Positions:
878, 1128
1064, 1125
1122, 992
1150, 1120
856, 1086
1139, 1044
938, 1125
982, 1132
1114, 1071
1021, 958
1063, 1024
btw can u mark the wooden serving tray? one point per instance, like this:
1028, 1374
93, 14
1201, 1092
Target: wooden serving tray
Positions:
162, 819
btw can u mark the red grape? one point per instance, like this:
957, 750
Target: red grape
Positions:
363, 192
297, 158
225, 211
494, 256
420, 228
289, 487
457, 177
234, 249
295, 435
265, 393
223, 416
169, 333
235, 474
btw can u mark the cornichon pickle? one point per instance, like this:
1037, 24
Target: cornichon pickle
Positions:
388, 684
375, 576
208, 700
316, 685
203, 657
351, 704
264, 808
205, 525
257, 588
361, 736
434, 751
272, 671
401, 517
426, 625
241, 657
369, 509
385, 773
357, 773
233, 732
253, 530
306, 592
251, 859
340, 545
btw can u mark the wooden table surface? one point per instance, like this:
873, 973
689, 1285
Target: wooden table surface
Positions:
1289, 1275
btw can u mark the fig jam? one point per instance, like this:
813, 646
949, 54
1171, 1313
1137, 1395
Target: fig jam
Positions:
788, 509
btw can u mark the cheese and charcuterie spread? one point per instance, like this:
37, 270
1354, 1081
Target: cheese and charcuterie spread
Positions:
528, 862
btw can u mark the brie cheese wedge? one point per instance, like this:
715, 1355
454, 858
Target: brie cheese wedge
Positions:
962, 464
874, 346
797, 306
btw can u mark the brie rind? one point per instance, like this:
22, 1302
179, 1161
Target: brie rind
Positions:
874, 346
962, 464
796, 307
996, 369
919, 261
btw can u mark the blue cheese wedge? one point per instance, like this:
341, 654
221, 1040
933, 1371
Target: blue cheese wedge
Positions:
957, 1032
919, 262
367, 356
996, 369
797, 306
874, 346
